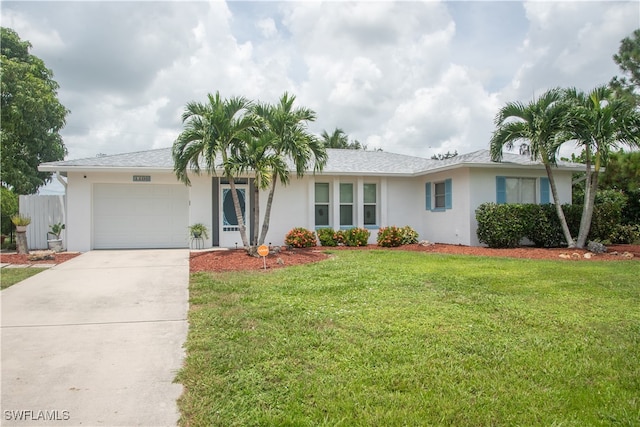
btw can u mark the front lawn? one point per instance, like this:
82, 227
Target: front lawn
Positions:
392, 338
11, 276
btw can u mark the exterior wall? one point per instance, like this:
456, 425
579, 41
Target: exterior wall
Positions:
79, 231
449, 225
400, 202
200, 204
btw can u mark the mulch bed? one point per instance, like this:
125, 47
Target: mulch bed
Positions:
238, 260
58, 258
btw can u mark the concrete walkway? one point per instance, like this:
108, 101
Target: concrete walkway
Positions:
96, 341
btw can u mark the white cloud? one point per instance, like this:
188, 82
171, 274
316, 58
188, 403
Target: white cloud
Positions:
409, 77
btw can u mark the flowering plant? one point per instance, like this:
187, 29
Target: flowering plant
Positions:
300, 237
329, 237
392, 236
389, 237
409, 235
355, 236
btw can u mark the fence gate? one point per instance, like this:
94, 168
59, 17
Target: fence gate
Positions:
44, 211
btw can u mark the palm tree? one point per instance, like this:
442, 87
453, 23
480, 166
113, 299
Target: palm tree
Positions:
601, 123
291, 141
257, 156
540, 124
211, 129
338, 139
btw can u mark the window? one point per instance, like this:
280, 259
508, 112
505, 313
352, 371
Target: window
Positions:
346, 204
370, 207
439, 195
516, 190
322, 203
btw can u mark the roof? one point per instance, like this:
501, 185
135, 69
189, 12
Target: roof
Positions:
343, 162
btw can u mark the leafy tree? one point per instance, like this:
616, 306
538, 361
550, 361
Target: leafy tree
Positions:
291, 140
538, 124
628, 59
339, 139
218, 127
8, 208
446, 156
622, 172
32, 116
601, 123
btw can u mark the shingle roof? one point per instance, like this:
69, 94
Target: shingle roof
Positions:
156, 159
348, 162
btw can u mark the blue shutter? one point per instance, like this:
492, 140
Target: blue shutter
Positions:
427, 195
544, 191
447, 194
501, 190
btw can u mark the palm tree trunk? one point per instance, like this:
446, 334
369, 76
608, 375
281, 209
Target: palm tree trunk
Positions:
256, 219
591, 187
559, 211
267, 212
236, 204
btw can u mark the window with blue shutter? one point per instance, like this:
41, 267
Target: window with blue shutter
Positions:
438, 195
501, 189
544, 191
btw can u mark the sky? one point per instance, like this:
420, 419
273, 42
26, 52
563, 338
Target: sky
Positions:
416, 78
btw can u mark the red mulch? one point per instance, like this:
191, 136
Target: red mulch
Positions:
238, 260
22, 258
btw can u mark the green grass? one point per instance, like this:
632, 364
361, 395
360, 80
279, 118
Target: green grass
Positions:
11, 276
391, 338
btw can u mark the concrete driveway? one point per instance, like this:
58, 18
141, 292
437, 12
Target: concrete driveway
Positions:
96, 341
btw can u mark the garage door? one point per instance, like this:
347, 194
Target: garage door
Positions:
140, 216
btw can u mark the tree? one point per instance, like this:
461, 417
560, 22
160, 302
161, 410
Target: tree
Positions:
218, 127
622, 172
628, 59
446, 156
291, 140
339, 139
539, 124
601, 123
257, 157
31, 116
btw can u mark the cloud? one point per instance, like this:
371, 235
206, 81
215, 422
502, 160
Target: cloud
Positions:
409, 77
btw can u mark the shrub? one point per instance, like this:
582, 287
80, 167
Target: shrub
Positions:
542, 226
300, 237
409, 235
355, 236
500, 226
625, 234
329, 237
631, 212
389, 237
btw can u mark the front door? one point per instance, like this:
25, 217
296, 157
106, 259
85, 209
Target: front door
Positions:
228, 221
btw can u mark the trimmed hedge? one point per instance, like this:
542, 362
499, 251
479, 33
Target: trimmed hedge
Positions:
506, 225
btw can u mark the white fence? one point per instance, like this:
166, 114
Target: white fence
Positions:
44, 211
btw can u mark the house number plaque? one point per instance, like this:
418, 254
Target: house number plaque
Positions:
141, 178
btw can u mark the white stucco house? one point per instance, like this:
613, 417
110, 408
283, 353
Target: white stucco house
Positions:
134, 200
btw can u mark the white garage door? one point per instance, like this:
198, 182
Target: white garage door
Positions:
140, 216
